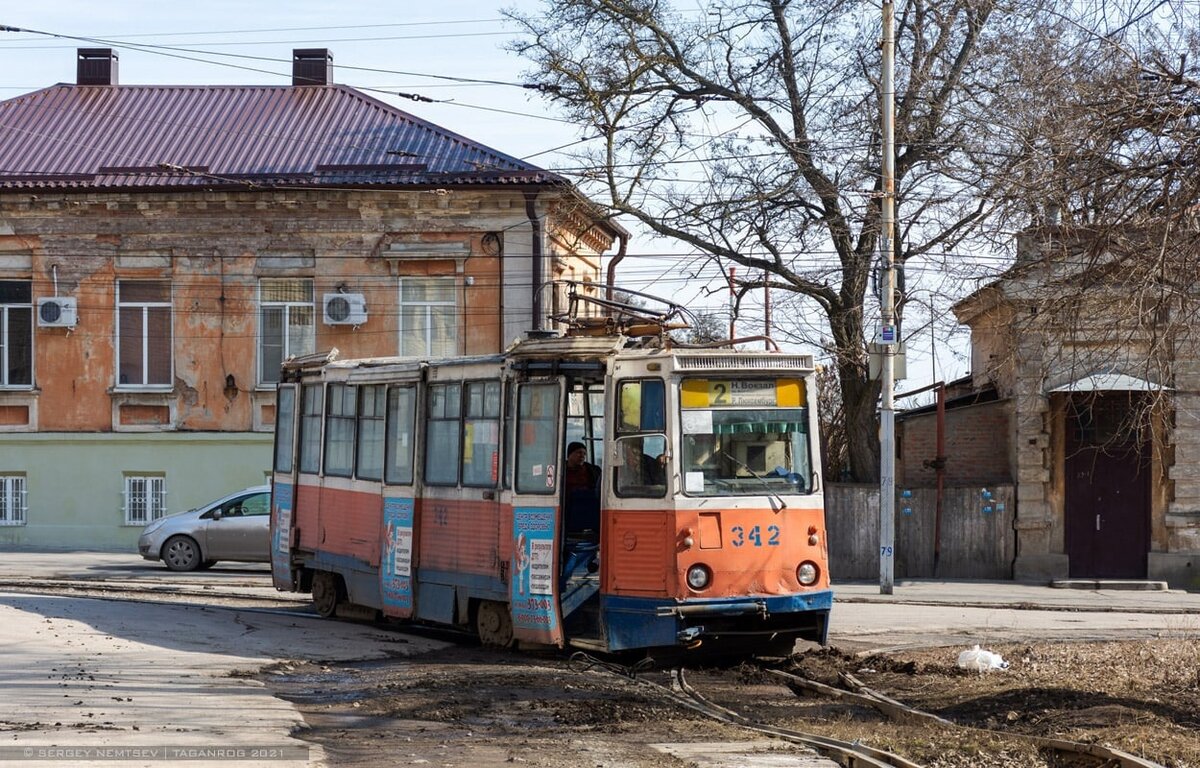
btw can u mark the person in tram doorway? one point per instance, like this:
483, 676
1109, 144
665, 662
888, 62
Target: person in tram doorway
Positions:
582, 493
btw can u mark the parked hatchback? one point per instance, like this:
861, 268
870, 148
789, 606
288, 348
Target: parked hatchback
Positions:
234, 527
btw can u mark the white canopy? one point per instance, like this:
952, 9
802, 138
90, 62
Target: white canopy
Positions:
1103, 382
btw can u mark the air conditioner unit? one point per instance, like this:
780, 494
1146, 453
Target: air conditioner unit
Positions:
345, 309
57, 312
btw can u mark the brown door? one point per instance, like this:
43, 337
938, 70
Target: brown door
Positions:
1108, 493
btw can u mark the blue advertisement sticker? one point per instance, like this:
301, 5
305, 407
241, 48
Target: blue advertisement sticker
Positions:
281, 567
395, 569
532, 585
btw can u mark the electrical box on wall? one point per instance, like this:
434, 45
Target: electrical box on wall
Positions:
57, 312
345, 309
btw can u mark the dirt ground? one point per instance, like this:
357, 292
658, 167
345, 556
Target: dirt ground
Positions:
469, 706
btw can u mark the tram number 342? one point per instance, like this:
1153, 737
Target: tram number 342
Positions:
755, 536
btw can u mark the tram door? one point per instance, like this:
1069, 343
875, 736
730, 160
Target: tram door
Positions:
283, 484
537, 475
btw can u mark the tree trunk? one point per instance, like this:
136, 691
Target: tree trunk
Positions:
860, 400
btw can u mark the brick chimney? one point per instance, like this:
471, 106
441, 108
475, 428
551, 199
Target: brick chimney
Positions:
312, 66
96, 66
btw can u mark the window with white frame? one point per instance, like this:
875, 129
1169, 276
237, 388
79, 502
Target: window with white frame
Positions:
16, 333
13, 505
143, 333
145, 498
286, 323
428, 317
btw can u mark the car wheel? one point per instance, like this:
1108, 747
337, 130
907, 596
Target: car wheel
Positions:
181, 553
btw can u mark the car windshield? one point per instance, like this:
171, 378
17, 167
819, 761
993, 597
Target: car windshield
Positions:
744, 451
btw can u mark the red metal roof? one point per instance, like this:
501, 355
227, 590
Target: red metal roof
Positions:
148, 136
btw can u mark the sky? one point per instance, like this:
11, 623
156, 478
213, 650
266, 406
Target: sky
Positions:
382, 47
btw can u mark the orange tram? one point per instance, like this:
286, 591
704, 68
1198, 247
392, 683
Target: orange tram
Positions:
443, 492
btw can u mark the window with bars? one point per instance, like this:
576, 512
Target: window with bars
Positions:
286, 323
145, 498
428, 317
16, 333
13, 504
143, 333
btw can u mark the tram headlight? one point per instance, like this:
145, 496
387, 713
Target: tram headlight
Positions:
699, 577
807, 573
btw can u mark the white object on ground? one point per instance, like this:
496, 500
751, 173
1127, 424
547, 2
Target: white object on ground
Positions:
981, 660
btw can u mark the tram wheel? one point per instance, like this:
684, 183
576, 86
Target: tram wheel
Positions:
326, 593
493, 625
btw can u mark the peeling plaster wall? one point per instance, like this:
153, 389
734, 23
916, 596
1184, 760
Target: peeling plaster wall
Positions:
214, 247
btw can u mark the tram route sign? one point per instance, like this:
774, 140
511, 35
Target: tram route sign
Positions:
745, 392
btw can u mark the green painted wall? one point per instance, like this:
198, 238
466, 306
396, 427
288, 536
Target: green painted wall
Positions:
75, 482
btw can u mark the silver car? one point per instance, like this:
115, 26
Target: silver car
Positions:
234, 527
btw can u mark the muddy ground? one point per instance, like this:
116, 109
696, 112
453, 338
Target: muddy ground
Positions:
469, 706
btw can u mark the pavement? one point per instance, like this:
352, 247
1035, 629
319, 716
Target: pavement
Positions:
1105, 596
254, 579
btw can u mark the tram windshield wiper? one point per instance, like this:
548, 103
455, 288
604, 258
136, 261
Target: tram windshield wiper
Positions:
759, 478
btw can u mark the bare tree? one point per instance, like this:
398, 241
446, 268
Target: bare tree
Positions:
748, 130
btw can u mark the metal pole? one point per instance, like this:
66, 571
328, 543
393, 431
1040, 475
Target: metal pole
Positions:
766, 312
887, 413
732, 304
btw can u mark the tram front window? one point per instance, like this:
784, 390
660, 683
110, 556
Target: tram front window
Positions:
746, 452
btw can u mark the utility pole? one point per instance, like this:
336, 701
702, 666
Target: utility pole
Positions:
889, 329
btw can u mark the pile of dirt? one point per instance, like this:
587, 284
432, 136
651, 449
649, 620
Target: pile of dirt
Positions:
474, 707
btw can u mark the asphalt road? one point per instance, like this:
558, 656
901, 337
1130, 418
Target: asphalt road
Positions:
80, 673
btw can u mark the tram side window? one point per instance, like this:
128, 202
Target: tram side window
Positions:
369, 457
339, 431
537, 438
481, 435
285, 426
442, 431
401, 423
310, 430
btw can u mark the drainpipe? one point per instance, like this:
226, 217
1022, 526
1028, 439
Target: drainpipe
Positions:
536, 251
940, 469
612, 269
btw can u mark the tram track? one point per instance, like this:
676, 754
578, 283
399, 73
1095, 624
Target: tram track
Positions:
681, 692
854, 754
213, 596
855, 691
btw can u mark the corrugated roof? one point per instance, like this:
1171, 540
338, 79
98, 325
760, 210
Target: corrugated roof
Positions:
87, 137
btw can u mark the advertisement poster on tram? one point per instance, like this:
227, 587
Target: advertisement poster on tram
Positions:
395, 567
532, 585
281, 529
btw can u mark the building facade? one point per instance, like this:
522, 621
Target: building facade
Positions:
1098, 384
163, 249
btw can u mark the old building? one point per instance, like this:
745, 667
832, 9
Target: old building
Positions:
1096, 374
163, 249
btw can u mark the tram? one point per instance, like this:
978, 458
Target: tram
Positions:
443, 492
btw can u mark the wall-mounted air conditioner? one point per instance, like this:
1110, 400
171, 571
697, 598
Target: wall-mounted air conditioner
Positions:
57, 312
345, 309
